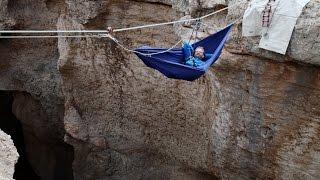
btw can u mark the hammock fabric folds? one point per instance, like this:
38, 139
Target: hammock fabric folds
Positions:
172, 64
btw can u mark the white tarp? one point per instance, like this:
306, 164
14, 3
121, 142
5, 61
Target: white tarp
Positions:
284, 16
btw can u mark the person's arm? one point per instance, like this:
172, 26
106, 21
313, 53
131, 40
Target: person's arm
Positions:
187, 51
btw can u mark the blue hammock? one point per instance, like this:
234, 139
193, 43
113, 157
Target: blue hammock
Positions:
172, 64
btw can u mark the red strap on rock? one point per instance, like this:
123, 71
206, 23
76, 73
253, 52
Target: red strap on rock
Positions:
266, 14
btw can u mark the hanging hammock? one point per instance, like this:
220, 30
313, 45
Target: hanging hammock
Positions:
172, 64
169, 62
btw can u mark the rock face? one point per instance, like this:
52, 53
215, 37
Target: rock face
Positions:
8, 156
254, 115
28, 70
305, 42
5, 20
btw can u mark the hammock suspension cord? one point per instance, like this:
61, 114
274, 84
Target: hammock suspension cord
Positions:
133, 51
196, 28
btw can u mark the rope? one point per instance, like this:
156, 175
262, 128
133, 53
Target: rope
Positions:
198, 25
130, 50
110, 37
29, 37
150, 54
121, 29
178, 21
196, 28
191, 35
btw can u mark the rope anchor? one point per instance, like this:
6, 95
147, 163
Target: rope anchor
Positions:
109, 30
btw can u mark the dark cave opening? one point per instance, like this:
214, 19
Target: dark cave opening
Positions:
58, 157
11, 126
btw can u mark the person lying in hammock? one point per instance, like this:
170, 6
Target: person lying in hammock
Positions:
193, 57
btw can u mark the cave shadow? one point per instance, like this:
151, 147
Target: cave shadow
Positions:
63, 153
12, 126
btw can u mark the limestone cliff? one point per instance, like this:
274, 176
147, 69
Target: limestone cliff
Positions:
254, 115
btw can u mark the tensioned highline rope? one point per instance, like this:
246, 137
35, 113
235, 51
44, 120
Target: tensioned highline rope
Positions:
115, 30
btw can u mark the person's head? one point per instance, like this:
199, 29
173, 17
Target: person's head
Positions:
199, 52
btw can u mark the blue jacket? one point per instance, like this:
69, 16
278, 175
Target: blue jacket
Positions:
190, 60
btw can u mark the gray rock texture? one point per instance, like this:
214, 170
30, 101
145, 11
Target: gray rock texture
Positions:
30, 64
253, 115
8, 156
5, 20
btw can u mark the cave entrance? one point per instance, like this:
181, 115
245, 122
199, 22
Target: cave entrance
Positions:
37, 160
11, 125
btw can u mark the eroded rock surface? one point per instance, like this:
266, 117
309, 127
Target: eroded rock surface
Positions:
255, 114
8, 156
5, 20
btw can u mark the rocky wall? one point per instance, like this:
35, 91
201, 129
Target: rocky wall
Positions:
253, 115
